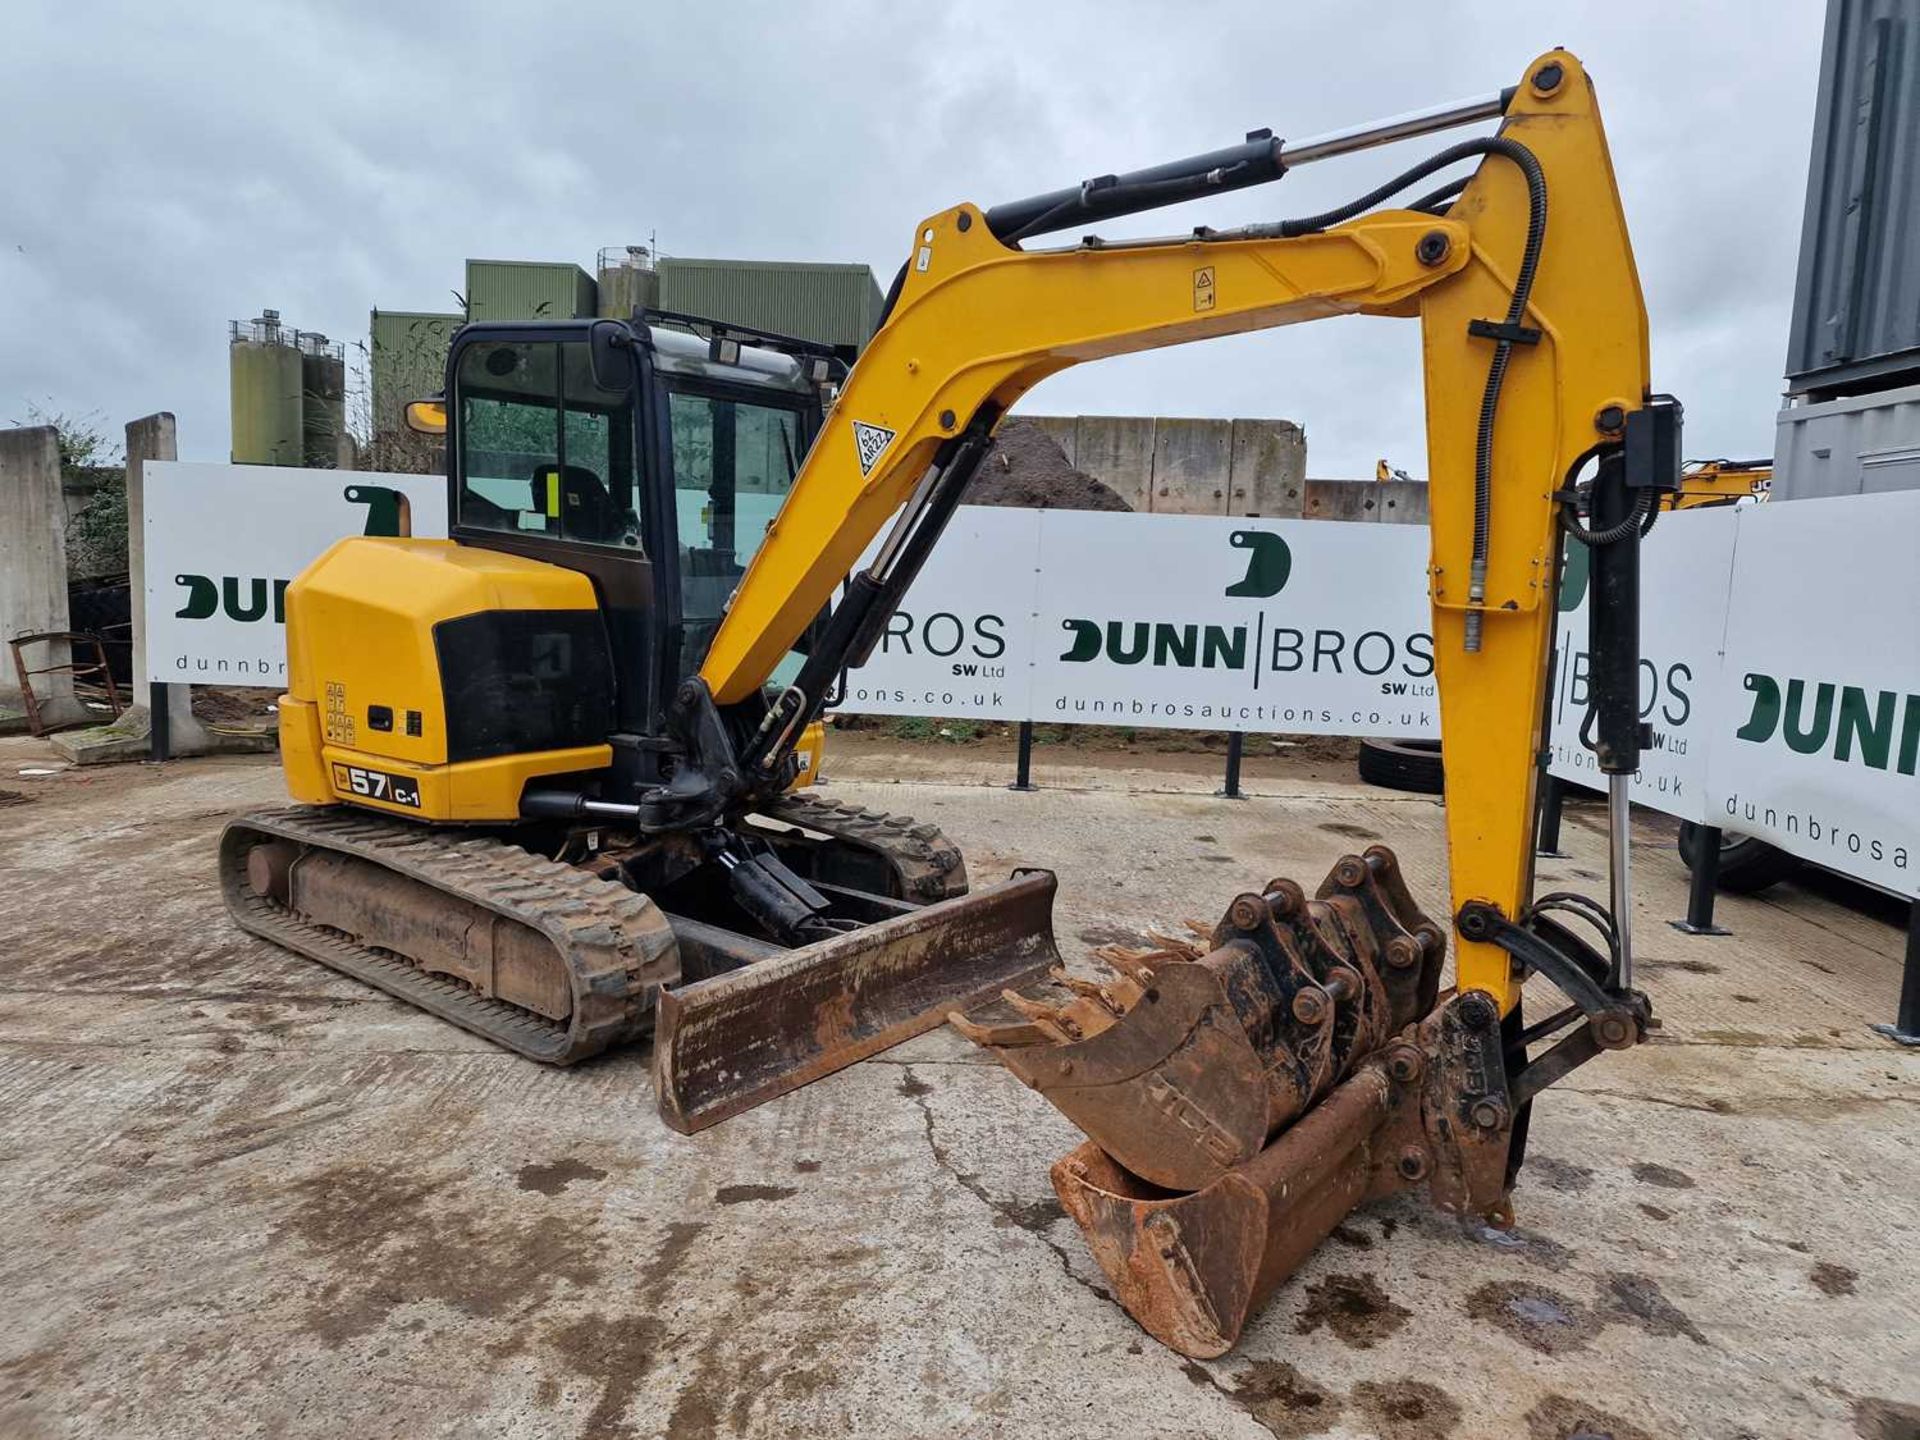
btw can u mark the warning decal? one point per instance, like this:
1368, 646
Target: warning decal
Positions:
871, 440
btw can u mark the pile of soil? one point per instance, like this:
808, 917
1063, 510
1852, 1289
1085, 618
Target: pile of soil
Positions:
249, 706
1026, 468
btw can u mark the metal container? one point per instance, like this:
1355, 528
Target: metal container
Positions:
266, 384
528, 290
409, 362
628, 282
830, 304
1862, 445
323, 400
1856, 308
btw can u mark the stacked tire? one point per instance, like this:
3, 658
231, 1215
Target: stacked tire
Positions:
1411, 765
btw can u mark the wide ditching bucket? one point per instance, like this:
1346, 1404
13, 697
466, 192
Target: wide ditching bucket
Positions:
725, 1044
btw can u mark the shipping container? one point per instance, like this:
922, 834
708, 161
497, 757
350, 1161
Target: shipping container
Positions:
831, 304
1858, 445
528, 290
1856, 311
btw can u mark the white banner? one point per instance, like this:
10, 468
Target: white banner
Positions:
1816, 734
1686, 569
222, 543
1164, 621
961, 644
1209, 623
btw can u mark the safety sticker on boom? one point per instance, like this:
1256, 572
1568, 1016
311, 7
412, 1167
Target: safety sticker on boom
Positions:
871, 440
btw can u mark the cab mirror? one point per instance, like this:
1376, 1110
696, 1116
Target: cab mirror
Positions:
610, 356
427, 417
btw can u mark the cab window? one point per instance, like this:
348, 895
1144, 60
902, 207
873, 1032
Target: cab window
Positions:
543, 450
733, 464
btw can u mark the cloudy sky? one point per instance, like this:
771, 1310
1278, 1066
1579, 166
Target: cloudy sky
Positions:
173, 166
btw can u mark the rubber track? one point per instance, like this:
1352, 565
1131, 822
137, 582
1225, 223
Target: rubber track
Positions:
616, 944
926, 865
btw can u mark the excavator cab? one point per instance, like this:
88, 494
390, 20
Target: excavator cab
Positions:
643, 455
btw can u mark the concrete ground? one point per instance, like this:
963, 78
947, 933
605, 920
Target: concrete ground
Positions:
245, 1196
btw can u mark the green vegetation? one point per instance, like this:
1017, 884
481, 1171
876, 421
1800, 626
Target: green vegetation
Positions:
90, 462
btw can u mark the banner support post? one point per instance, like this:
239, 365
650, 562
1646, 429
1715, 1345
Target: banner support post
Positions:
1236, 742
1702, 887
1023, 767
1905, 1029
1553, 798
160, 722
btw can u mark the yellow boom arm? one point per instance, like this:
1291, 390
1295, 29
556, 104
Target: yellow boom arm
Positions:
977, 324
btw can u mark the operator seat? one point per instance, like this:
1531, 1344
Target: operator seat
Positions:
587, 511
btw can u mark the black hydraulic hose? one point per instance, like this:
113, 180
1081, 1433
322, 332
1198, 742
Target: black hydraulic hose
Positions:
1437, 202
1640, 518
1503, 348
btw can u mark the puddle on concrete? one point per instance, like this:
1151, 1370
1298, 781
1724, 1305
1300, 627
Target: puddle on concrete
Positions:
1640, 1299
1665, 1176
1561, 1175
1353, 1307
556, 1175
1560, 1417
1877, 1419
1539, 1318
1350, 832
1277, 1396
749, 1194
1406, 1409
1831, 1279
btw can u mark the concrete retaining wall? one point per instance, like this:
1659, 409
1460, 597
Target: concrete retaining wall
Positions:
1174, 466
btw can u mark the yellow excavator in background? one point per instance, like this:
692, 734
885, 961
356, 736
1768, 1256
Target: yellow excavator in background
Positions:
547, 763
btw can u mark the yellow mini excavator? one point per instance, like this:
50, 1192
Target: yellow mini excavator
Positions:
548, 764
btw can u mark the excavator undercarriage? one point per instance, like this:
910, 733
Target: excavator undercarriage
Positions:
560, 961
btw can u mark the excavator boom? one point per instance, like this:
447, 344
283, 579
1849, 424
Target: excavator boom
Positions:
1240, 1096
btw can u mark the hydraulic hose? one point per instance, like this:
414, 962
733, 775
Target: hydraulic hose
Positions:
1503, 347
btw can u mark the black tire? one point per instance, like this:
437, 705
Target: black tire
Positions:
1403, 765
1747, 865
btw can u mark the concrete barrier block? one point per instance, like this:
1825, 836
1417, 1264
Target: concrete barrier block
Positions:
1402, 502
1118, 451
1269, 470
1192, 462
33, 564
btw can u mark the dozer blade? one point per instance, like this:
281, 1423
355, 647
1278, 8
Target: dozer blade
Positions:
726, 1044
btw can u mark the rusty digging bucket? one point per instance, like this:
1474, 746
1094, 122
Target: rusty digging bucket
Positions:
1239, 1101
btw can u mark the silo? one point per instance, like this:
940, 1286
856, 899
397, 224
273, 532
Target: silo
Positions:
628, 281
323, 400
265, 370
